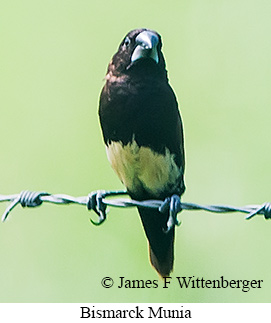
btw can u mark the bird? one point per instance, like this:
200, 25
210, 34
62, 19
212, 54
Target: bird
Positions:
143, 135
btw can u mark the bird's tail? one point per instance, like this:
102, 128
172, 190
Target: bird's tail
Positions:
161, 244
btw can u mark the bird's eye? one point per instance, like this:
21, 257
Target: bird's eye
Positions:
127, 42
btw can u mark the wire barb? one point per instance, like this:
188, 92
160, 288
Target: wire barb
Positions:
98, 202
25, 198
264, 209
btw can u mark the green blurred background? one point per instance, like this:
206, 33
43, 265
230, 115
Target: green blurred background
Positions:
54, 55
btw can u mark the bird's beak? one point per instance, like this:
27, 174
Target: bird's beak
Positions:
146, 46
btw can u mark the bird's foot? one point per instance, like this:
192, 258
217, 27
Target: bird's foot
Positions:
173, 206
95, 203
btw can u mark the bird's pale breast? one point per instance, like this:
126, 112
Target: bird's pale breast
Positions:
140, 167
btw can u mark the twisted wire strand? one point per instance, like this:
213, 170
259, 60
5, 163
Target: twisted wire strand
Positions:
98, 202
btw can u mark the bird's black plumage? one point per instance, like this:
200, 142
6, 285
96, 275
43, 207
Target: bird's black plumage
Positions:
143, 133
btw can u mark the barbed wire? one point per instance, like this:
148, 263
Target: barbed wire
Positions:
98, 202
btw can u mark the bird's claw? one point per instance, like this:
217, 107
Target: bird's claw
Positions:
95, 203
173, 206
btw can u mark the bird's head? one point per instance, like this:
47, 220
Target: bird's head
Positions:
139, 52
